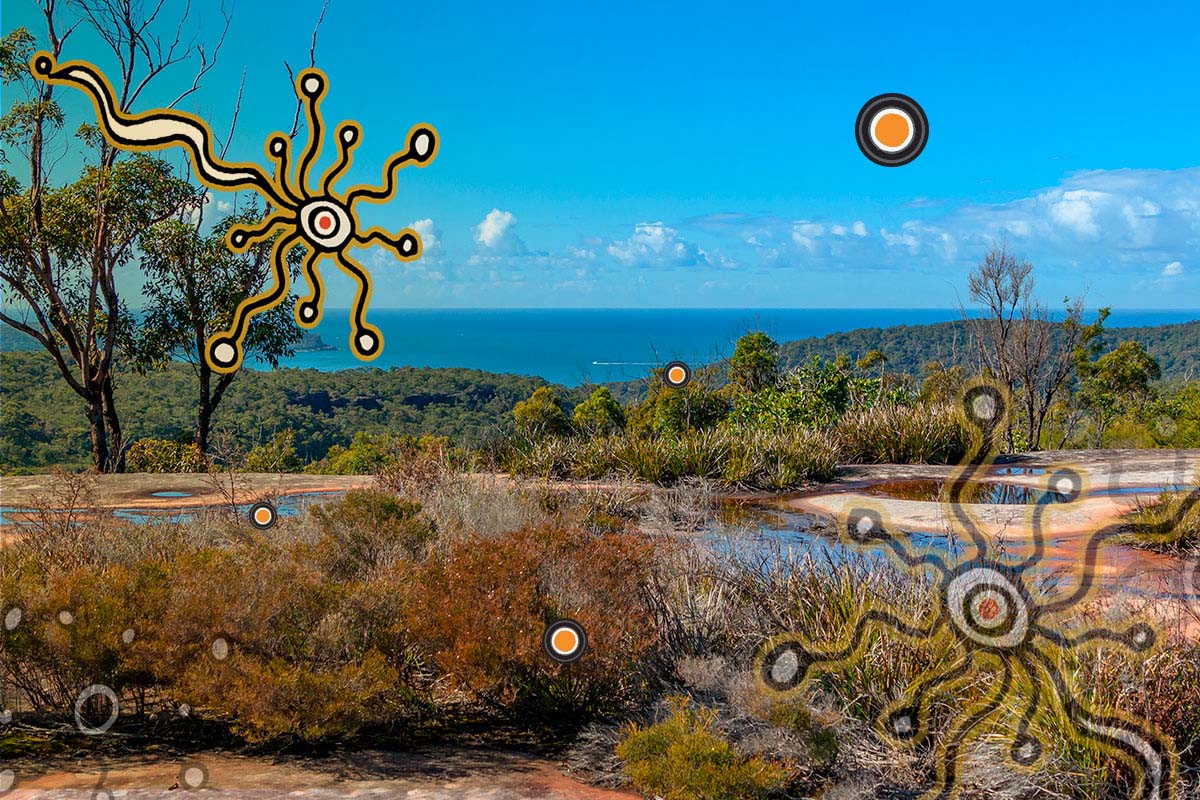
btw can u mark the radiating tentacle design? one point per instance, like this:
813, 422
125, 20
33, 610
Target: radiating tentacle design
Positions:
304, 212
998, 628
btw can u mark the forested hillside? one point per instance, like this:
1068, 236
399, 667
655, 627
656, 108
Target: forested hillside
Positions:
42, 422
909, 348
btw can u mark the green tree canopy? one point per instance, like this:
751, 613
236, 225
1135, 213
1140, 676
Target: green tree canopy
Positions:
541, 415
600, 413
755, 363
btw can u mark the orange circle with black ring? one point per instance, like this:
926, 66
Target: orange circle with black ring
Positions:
263, 515
891, 129
564, 641
677, 374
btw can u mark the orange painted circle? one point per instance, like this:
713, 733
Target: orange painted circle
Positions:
891, 130
564, 640
262, 515
989, 609
676, 375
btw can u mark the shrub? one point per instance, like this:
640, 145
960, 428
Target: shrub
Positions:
599, 414
668, 411
1164, 525
755, 363
259, 637
685, 757
478, 613
541, 415
70, 626
781, 461
399, 455
164, 455
815, 395
276, 455
367, 528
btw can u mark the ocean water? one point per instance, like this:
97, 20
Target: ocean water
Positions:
575, 346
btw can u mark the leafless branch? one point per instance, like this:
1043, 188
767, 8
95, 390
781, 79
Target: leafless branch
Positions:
312, 62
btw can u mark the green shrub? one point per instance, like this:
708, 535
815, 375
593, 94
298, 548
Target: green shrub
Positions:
817, 394
753, 459
541, 415
669, 411
276, 455
685, 757
599, 414
755, 363
377, 454
164, 455
1163, 525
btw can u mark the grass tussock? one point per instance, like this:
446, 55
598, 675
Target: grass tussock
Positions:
1166, 524
758, 460
770, 459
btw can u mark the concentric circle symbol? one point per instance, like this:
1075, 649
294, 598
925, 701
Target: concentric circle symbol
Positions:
891, 129
326, 224
224, 352
984, 406
863, 524
564, 641
96, 690
263, 515
784, 666
988, 608
1026, 751
677, 374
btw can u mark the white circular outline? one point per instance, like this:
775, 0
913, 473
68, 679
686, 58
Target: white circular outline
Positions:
564, 627
956, 592
912, 128
87, 694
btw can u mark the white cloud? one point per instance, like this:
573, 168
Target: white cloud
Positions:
495, 234
224, 206
431, 237
1076, 210
654, 244
1172, 269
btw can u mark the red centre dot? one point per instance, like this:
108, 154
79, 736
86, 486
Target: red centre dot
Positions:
325, 222
988, 609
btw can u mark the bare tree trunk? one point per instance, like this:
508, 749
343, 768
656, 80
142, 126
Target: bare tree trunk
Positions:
99, 435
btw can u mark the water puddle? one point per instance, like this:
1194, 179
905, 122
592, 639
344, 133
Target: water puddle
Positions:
290, 505
935, 491
764, 533
1019, 471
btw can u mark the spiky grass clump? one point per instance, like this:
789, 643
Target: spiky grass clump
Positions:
1166, 524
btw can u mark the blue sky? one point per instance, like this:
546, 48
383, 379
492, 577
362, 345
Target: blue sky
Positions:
702, 154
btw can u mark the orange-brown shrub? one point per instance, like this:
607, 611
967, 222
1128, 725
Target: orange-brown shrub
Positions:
286, 664
68, 634
367, 528
478, 611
